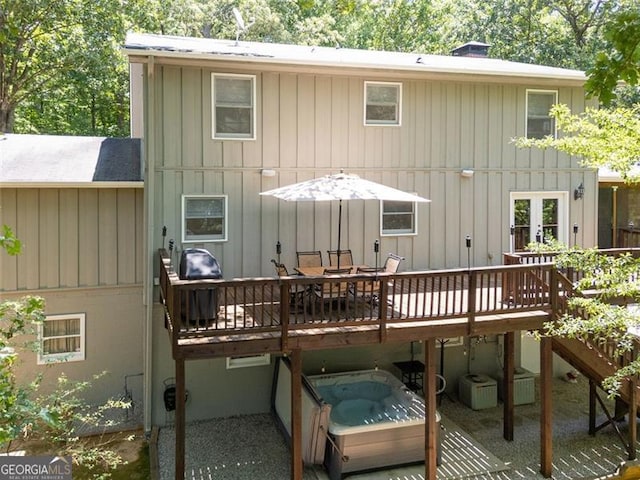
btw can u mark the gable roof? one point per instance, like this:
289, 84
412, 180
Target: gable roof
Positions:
56, 160
137, 44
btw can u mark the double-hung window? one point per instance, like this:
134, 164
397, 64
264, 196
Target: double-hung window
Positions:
382, 101
62, 338
234, 99
539, 123
398, 218
204, 218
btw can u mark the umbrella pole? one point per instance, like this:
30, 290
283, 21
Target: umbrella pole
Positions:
339, 230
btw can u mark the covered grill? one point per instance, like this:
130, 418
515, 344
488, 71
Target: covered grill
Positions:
201, 305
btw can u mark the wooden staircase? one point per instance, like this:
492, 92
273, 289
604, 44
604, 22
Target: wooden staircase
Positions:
597, 360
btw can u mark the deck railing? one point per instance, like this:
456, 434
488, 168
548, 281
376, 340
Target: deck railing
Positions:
628, 237
606, 347
222, 309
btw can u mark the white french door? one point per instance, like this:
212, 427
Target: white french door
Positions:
537, 217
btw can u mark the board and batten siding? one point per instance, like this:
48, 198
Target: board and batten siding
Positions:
311, 124
73, 237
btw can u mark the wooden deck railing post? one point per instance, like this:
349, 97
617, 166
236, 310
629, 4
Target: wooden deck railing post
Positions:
471, 305
285, 289
633, 415
382, 308
553, 292
176, 317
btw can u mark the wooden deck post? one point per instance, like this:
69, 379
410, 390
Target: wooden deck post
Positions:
180, 418
546, 424
471, 302
507, 385
296, 415
431, 433
592, 407
633, 415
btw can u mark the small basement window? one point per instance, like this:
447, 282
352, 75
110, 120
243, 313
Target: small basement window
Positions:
62, 339
382, 102
242, 361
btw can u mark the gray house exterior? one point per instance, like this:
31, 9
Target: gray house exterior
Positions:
222, 121
76, 204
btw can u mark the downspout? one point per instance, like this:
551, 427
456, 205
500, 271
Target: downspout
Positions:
148, 146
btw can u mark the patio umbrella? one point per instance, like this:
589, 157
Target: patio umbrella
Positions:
340, 186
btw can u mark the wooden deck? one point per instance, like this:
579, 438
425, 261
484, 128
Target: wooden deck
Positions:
209, 318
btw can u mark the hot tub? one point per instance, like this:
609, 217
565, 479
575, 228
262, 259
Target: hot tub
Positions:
375, 421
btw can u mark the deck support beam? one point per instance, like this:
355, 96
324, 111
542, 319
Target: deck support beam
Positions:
296, 415
180, 418
507, 385
546, 424
430, 387
633, 415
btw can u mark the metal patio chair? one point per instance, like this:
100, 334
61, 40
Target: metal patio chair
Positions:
333, 291
296, 296
309, 258
346, 258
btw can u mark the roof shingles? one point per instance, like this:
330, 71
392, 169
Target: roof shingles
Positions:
52, 159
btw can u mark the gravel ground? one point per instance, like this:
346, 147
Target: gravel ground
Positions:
576, 455
251, 447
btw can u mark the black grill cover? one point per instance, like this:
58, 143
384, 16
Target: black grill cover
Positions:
199, 264
202, 305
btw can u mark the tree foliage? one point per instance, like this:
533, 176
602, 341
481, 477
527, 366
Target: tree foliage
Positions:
601, 137
561, 33
605, 318
620, 59
61, 70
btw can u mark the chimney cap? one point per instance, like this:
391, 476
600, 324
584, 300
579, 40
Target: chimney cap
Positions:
471, 49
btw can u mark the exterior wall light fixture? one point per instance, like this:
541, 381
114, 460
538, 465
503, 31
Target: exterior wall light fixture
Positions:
578, 193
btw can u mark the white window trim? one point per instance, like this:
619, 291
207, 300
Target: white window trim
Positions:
205, 239
368, 123
213, 107
537, 196
248, 361
526, 109
68, 356
398, 233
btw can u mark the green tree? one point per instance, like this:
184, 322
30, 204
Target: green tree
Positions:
397, 25
561, 33
620, 58
610, 316
60, 66
16, 317
600, 137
